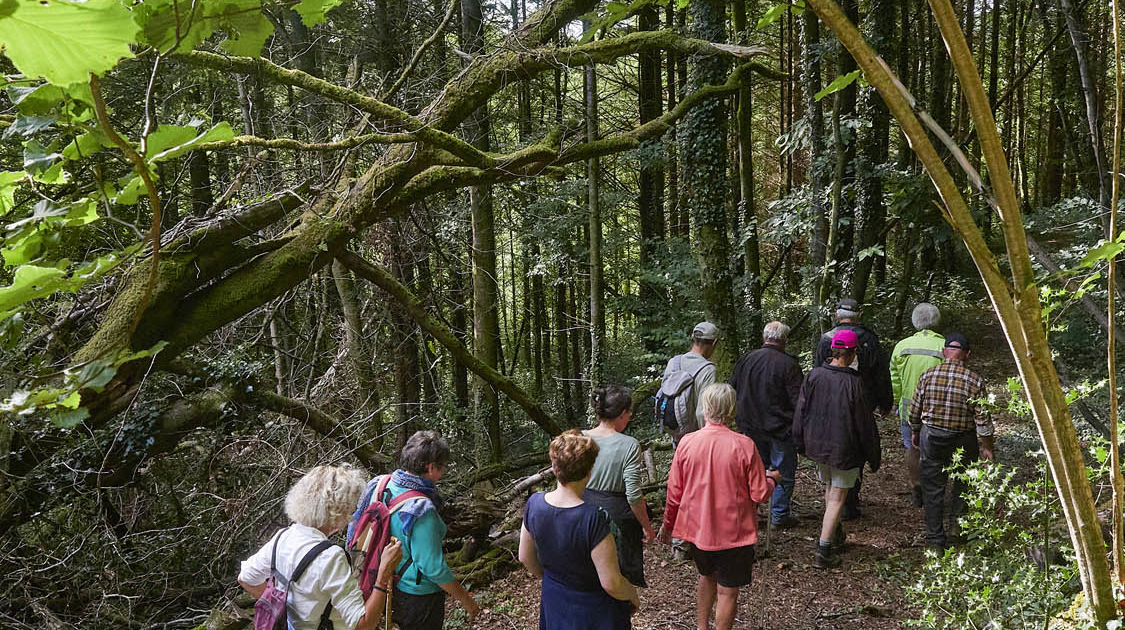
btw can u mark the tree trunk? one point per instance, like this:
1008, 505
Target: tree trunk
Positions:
486, 322
815, 117
367, 389
650, 188
747, 207
703, 148
1093, 114
594, 230
874, 152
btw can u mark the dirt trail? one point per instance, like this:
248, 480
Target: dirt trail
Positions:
858, 595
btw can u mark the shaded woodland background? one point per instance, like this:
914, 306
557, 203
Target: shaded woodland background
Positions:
324, 289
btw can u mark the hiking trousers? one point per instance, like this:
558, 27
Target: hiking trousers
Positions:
937, 448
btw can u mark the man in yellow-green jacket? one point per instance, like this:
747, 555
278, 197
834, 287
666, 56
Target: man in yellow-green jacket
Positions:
911, 357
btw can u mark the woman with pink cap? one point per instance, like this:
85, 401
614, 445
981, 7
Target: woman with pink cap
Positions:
834, 427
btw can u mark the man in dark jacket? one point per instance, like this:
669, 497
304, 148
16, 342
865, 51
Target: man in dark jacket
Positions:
833, 426
873, 366
767, 381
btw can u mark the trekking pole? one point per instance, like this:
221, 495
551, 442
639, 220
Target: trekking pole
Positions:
765, 584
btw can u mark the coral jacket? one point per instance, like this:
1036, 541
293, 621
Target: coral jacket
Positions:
717, 480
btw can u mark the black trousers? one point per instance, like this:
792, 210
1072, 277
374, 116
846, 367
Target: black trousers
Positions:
937, 448
418, 612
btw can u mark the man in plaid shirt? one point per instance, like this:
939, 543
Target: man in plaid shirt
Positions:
944, 417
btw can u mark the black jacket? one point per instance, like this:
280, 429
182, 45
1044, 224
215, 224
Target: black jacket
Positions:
767, 381
874, 364
832, 424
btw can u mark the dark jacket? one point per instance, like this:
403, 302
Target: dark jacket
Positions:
874, 364
767, 381
832, 424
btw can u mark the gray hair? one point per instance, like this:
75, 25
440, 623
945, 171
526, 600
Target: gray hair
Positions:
775, 331
925, 316
422, 449
325, 497
718, 403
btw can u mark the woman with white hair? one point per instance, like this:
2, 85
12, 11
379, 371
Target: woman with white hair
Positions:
320, 504
719, 516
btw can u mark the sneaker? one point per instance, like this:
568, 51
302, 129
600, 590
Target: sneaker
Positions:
916, 496
824, 558
787, 522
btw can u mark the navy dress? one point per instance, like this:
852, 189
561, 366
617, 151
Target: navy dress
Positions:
572, 597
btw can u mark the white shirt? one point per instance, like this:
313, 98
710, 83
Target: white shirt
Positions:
329, 578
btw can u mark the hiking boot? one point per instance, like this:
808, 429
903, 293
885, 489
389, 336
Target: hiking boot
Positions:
787, 522
916, 496
825, 558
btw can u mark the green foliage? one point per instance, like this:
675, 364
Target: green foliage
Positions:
839, 83
64, 42
1013, 570
775, 12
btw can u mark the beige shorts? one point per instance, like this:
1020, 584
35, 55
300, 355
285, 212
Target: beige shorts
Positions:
838, 478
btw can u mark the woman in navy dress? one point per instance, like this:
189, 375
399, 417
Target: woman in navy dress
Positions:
567, 543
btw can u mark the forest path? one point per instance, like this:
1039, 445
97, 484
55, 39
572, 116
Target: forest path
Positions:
886, 547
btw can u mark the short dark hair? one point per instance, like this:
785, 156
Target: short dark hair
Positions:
843, 352
422, 449
572, 455
612, 400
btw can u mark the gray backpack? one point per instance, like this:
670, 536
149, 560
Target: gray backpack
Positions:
671, 407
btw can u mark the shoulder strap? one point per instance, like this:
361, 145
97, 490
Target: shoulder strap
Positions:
679, 358
273, 554
397, 502
307, 560
381, 488
920, 351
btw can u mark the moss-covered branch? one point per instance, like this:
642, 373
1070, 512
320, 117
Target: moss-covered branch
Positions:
414, 308
324, 424
296, 145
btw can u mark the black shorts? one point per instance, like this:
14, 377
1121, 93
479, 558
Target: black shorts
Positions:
729, 567
418, 612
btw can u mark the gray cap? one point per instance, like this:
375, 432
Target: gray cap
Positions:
847, 308
705, 331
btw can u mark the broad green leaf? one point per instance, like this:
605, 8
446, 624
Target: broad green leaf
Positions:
30, 282
616, 8
28, 126
772, 15
247, 27
9, 182
24, 249
312, 11
36, 99
838, 84
85, 145
38, 158
175, 27
63, 42
1104, 251
69, 418
169, 141
130, 192
681, 4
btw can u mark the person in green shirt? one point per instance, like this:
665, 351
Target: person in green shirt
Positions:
615, 480
911, 357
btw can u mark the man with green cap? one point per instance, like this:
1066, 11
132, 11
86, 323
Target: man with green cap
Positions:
911, 357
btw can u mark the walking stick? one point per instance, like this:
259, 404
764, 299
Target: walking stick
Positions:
765, 584
390, 594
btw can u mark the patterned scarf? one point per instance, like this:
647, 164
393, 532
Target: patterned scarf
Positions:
414, 509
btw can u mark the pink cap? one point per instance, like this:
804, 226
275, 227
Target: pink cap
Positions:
845, 338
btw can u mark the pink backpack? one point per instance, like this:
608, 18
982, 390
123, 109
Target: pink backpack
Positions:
269, 611
373, 531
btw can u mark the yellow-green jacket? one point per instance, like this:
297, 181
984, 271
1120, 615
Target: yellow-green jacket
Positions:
911, 357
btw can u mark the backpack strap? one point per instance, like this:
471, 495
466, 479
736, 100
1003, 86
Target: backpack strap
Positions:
310, 555
394, 504
273, 554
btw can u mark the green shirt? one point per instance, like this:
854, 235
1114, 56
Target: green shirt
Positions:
618, 466
422, 550
911, 357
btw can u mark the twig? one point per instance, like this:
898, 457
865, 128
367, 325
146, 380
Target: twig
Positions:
406, 72
153, 198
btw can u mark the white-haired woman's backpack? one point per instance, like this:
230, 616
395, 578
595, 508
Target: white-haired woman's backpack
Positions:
270, 611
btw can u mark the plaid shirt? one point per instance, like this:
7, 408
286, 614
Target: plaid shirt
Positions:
942, 400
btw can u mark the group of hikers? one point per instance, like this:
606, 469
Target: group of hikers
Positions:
736, 447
